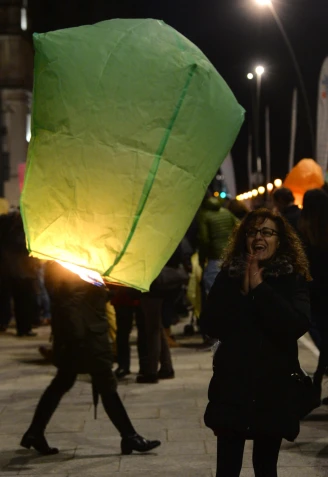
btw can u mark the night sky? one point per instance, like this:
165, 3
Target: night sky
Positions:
235, 35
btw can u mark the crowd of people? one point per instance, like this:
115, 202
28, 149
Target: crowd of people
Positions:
263, 285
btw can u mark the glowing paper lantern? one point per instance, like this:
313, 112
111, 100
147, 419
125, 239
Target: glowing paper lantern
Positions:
306, 175
130, 124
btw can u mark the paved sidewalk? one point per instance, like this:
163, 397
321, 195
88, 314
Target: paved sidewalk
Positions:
171, 411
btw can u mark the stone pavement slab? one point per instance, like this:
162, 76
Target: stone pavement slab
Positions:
171, 410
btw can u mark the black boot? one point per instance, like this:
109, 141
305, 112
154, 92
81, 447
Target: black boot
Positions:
117, 414
38, 442
137, 443
34, 436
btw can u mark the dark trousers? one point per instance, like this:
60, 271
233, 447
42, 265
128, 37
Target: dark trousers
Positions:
230, 451
158, 350
322, 327
124, 322
5, 303
62, 383
25, 303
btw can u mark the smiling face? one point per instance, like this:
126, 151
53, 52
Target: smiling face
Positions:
263, 244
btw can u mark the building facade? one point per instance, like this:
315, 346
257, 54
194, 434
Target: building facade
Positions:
16, 80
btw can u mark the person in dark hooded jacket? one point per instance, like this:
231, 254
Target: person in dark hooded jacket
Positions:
80, 345
257, 308
215, 224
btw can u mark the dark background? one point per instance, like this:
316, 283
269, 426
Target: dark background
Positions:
235, 35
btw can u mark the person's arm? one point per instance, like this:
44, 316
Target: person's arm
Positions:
282, 317
223, 307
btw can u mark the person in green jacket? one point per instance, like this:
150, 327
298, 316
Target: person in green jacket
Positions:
215, 225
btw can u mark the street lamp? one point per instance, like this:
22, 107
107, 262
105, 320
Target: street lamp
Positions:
250, 76
263, 2
259, 70
272, 9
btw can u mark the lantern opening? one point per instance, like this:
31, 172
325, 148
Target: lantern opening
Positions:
87, 275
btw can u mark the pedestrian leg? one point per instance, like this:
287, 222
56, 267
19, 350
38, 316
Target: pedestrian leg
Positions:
124, 321
34, 436
106, 386
230, 451
265, 456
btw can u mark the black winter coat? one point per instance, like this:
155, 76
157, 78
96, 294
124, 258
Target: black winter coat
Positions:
79, 323
257, 354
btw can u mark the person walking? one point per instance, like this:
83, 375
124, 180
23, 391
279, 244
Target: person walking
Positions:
314, 230
80, 345
257, 308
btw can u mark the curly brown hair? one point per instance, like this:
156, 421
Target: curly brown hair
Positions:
290, 244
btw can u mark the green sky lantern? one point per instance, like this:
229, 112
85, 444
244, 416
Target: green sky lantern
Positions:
130, 123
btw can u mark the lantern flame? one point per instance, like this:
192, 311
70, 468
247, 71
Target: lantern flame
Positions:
87, 275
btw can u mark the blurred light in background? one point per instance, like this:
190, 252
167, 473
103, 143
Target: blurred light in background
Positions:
269, 187
278, 183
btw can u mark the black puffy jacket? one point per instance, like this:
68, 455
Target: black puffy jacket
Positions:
248, 392
79, 322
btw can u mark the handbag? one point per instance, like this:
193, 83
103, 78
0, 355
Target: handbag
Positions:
302, 395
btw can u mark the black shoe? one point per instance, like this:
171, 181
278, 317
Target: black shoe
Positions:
165, 374
147, 378
137, 443
29, 334
38, 442
120, 373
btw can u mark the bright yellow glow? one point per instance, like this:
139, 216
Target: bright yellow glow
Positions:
261, 190
239, 197
254, 192
216, 194
259, 70
245, 196
249, 194
86, 275
250, 76
278, 183
269, 187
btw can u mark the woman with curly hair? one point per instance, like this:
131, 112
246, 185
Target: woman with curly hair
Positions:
257, 308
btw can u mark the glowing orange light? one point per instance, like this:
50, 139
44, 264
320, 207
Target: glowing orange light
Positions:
86, 275
216, 194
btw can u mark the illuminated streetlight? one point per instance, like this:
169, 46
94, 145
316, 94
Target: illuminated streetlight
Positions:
249, 194
275, 15
261, 190
269, 187
255, 192
278, 183
259, 70
245, 196
264, 2
250, 76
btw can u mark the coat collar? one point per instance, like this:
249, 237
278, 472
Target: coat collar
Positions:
275, 268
